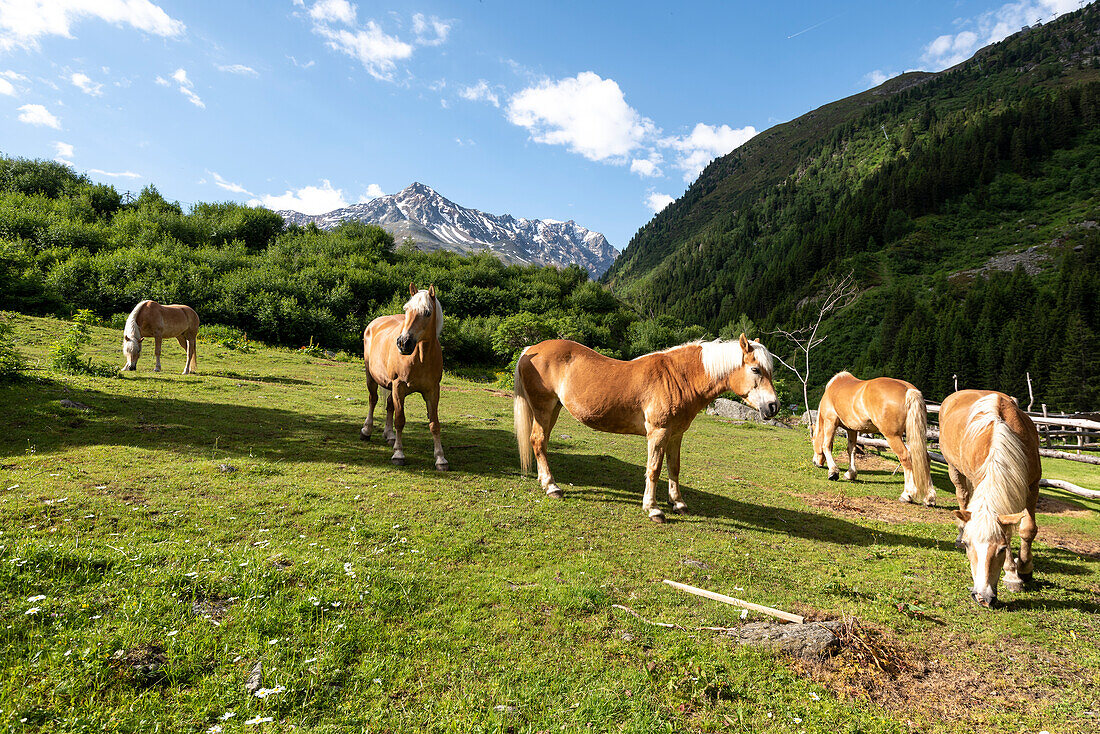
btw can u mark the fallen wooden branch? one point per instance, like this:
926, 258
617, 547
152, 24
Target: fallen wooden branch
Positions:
1061, 484
786, 616
634, 614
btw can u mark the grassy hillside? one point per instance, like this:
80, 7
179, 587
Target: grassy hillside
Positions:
919, 187
162, 541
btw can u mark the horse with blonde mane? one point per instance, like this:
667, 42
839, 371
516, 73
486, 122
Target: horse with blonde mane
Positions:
656, 395
401, 354
150, 318
992, 452
894, 408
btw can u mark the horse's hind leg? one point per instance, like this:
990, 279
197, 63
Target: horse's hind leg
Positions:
672, 452
156, 350
910, 492
544, 419
819, 438
387, 431
368, 424
188, 350
853, 436
432, 399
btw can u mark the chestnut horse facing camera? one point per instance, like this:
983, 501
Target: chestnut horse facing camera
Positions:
401, 354
894, 408
992, 452
656, 395
149, 318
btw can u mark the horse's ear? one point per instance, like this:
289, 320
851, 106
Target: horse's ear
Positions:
744, 344
963, 515
1010, 520
412, 289
431, 290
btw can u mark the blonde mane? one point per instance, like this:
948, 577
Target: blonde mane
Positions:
132, 329
423, 303
723, 357
1003, 487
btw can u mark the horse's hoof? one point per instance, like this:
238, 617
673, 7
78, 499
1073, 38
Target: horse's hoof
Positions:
554, 492
1027, 578
398, 460
905, 498
364, 435
930, 502
680, 508
850, 476
1014, 585
657, 516
833, 476
443, 467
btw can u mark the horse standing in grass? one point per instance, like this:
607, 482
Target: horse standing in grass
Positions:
401, 354
992, 452
149, 318
894, 408
656, 396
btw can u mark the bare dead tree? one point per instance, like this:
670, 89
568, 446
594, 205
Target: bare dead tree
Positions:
838, 294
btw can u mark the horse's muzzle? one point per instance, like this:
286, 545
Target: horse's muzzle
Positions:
986, 601
406, 344
769, 410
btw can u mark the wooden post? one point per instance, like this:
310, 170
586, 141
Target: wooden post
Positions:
1030, 395
1080, 438
785, 616
1046, 427
955, 379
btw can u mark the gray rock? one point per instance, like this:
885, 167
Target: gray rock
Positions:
66, 403
739, 412
252, 682
812, 640
809, 418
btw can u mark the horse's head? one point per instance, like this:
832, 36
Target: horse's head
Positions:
131, 347
986, 540
753, 380
423, 319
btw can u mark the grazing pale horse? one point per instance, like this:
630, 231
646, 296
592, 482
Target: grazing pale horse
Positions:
401, 354
149, 318
992, 452
656, 395
894, 408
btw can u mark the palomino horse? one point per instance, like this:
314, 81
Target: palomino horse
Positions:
992, 452
883, 405
656, 396
401, 353
149, 318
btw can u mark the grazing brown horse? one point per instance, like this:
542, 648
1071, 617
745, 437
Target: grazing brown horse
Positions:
894, 408
149, 318
992, 452
401, 353
656, 396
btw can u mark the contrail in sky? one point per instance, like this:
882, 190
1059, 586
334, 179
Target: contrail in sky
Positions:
818, 25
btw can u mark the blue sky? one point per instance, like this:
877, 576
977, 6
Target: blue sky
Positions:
600, 112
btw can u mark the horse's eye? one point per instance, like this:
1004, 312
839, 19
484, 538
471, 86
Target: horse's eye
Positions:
756, 370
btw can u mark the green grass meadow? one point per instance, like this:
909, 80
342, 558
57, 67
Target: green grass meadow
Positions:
158, 545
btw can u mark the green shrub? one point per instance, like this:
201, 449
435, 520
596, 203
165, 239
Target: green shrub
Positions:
11, 361
226, 336
66, 354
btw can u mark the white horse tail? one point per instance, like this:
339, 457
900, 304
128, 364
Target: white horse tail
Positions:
523, 419
916, 430
1003, 486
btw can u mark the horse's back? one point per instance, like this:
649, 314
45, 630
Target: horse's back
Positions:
877, 404
955, 415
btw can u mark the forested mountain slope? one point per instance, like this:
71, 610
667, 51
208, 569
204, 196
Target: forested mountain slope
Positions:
931, 189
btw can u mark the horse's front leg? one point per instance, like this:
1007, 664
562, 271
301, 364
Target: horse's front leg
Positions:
657, 439
962, 494
400, 391
432, 399
673, 453
387, 430
156, 351
1028, 531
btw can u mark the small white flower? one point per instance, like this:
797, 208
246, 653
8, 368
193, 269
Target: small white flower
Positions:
173, 633
311, 660
378, 681
814, 696
797, 720
259, 720
227, 715
265, 692
744, 613
273, 642
33, 599
192, 575
216, 729
32, 610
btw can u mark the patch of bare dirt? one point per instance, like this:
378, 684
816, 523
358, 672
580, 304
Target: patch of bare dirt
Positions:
1051, 506
1078, 544
952, 677
142, 665
872, 508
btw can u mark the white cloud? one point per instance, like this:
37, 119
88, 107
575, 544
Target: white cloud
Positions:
373, 192
36, 114
430, 31
877, 77
84, 83
990, 27
648, 167
333, 11
704, 144
307, 200
657, 202
119, 174
300, 64
480, 92
229, 185
63, 153
586, 113
374, 49
238, 69
7, 88
186, 87
24, 22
